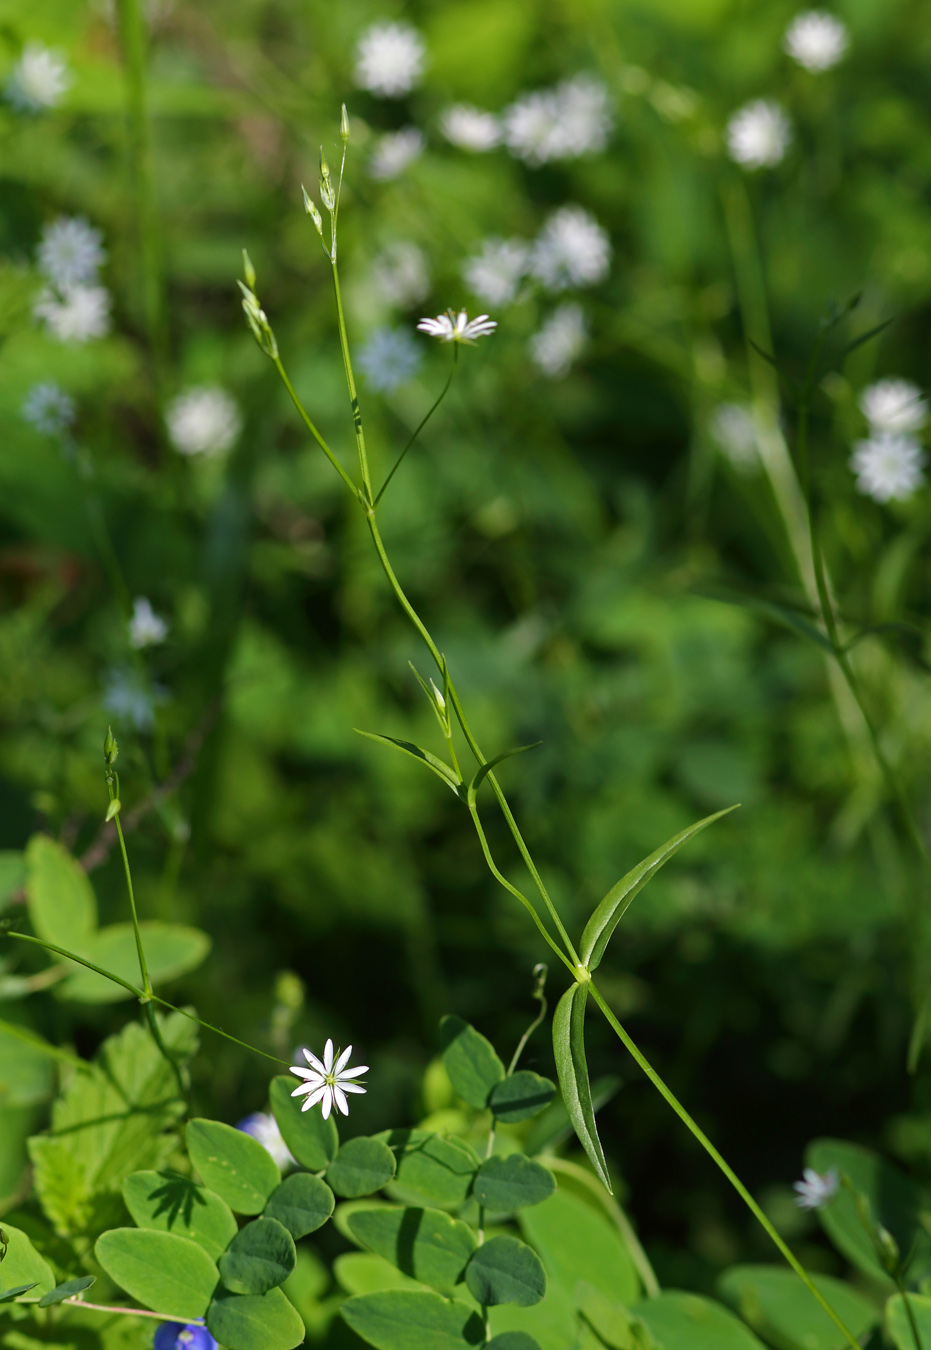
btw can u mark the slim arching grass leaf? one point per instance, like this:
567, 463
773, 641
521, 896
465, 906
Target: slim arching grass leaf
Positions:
437, 766
487, 767
609, 912
572, 1070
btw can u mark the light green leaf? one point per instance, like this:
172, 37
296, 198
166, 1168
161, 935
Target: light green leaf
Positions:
777, 1305
470, 1060
166, 1273
260, 1257
897, 1322
113, 1118
894, 1200
8, 1295
512, 1340
233, 1164
577, 1243
431, 1167
608, 1322
687, 1322
572, 1071
22, 1263
609, 912
175, 1204
511, 1183
312, 1140
12, 873
255, 1321
365, 1273
441, 769
67, 1290
27, 1070
361, 1167
486, 768
506, 1270
62, 908
425, 1244
302, 1203
401, 1319
521, 1096
170, 950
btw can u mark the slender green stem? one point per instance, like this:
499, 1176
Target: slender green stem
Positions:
313, 430
350, 378
719, 1161
539, 973
77, 1302
617, 1216
420, 426
133, 36
143, 968
909, 1310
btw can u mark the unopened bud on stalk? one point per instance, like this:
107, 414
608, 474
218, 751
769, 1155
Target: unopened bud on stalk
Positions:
311, 209
258, 322
327, 195
889, 1250
344, 124
110, 748
440, 700
248, 270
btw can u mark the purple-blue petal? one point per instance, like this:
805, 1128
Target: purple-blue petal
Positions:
183, 1336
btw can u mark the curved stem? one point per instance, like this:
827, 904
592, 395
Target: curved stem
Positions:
350, 378
313, 430
420, 426
725, 1167
617, 1216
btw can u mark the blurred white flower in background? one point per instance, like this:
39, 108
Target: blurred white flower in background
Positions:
127, 695
560, 341
495, 274
76, 314
816, 1189
389, 359
49, 409
204, 420
389, 59
733, 431
470, 128
395, 151
146, 628
70, 252
758, 135
570, 120
264, 1129
400, 274
893, 405
571, 250
453, 327
40, 79
888, 467
816, 40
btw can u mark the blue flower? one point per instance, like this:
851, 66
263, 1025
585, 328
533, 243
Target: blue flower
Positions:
183, 1336
389, 359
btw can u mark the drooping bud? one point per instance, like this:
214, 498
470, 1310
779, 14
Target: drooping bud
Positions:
248, 270
311, 208
258, 322
344, 125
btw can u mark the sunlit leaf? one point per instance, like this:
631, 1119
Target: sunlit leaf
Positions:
572, 1071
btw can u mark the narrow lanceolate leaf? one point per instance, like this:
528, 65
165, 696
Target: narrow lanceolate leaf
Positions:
485, 769
441, 769
572, 1070
611, 910
66, 1290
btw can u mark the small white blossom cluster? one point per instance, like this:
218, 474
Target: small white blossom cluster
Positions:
495, 274
470, 128
203, 420
816, 1189
395, 151
400, 275
572, 119
128, 695
572, 250
889, 463
73, 306
264, 1129
759, 135
146, 628
39, 80
816, 40
49, 409
560, 341
733, 431
389, 359
389, 59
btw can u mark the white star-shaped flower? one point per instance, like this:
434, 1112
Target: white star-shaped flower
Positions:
328, 1082
816, 1190
453, 327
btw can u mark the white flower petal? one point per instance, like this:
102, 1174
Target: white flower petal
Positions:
341, 1101
328, 1057
351, 1087
343, 1060
327, 1103
354, 1073
313, 1061
315, 1096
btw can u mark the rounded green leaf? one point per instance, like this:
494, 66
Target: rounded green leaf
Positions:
166, 1273
361, 1167
255, 1321
170, 950
22, 1264
898, 1324
302, 1203
175, 1204
62, 908
364, 1273
514, 1182
471, 1061
696, 1323
425, 1244
577, 1243
521, 1096
431, 1167
408, 1319
506, 1270
233, 1164
312, 1140
67, 1290
512, 1340
260, 1257
775, 1303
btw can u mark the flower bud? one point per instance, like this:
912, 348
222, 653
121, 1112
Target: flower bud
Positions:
248, 270
110, 748
344, 125
311, 209
440, 700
